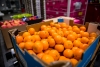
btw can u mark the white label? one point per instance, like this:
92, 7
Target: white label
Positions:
22, 59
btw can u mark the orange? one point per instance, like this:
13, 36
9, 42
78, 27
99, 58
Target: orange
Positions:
93, 34
54, 34
40, 55
27, 38
60, 33
68, 44
64, 29
45, 44
57, 26
49, 37
63, 58
74, 48
74, 62
58, 39
75, 35
64, 39
19, 39
69, 28
38, 47
26, 34
74, 26
21, 45
51, 31
79, 39
71, 37
31, 52
47, 51
91, 41
84, 46
83, 28
55, 54
76, 30
29, 45
63, 25
59, 47
68, 53
85, 34
54, 28
43, 34
84, 40
77, 43
78, 54
79, 35
52, 24
43, 27
51, 42
47, 58
36, 38
31, 31
66, 33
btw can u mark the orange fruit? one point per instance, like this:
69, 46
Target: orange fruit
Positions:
29, 45
71, 37
74, 48
66, 33
31, 31
45, 44
40, 55
52, 24
36, 38
85, 34
84, 46
60, 33
78, 54
43, 27
76, 30
47, 58
68, 44
19, 39
27, 38
79, 39
69, 28
54, 34
75, 35
84, 40
74, 26
55, 54
74, 62
63, 25
57, 26
77, 43
38, 47
47, 51
83, 28
68, 53
64, 29
64, 39
31, 52
51, 31
26, 34
58, 39
79, 35
63, 58
43, 34
59, 47
93, 34
91, 41
54, 28
51, 42
21, 45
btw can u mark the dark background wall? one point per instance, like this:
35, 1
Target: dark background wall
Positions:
2, 2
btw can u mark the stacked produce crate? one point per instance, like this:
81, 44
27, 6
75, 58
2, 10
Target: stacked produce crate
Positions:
35, 7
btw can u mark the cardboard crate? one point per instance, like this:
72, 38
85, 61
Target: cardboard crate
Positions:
32, 60
6, 36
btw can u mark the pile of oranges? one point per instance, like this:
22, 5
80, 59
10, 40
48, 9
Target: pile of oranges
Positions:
56, 42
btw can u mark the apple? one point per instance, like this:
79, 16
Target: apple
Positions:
4, 26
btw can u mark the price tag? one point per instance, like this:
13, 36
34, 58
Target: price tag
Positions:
80, 13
